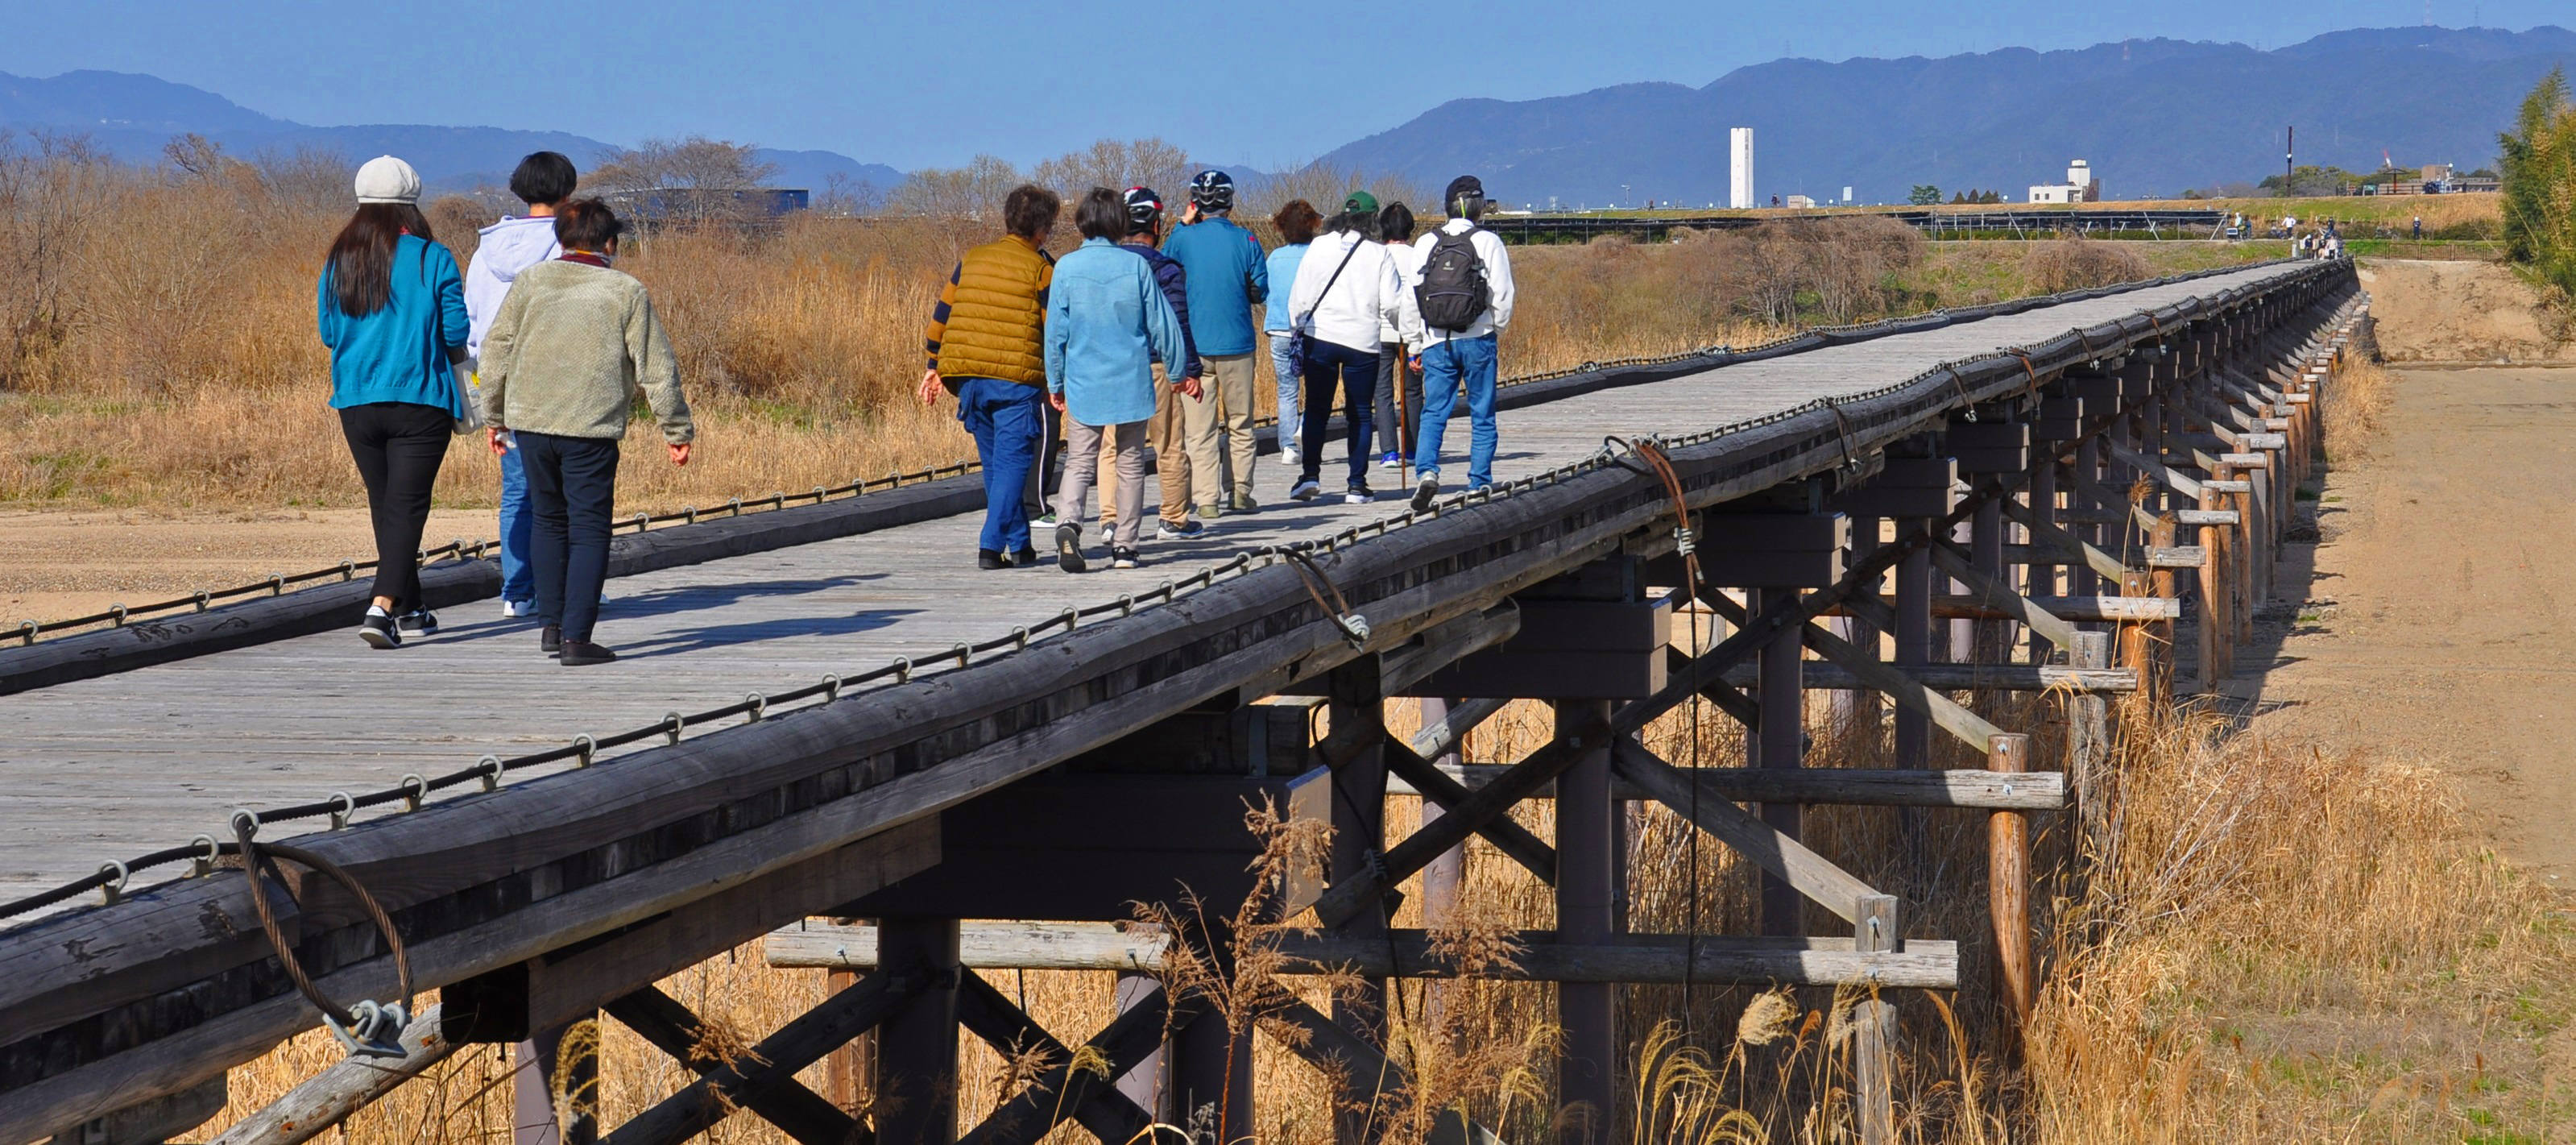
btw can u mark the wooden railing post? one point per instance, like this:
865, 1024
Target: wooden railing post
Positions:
1874, 1035
2008, 889
2217, 588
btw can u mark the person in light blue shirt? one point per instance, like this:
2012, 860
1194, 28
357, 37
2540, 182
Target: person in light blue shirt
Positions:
1298, 223
1106, 322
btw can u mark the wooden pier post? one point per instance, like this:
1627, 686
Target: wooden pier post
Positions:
1913, 649
1587, 1072
2008, 889
1874, 1031
1443, 876
1783, 709
917, 1044
1355, 701
2216, 628
564, 1062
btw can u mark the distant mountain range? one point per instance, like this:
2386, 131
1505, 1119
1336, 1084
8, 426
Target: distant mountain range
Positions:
133, 116
2155, 117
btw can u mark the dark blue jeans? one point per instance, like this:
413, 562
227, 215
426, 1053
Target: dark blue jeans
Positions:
572, 489
1006, 420
1355, 371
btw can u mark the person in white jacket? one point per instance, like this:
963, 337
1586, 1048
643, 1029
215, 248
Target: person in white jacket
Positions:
1460, 356
543, 181
1347, 291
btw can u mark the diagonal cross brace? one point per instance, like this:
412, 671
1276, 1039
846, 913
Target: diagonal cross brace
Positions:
2002, 598
1108, 1114
1054, 1096
672, 1028
1444, 789
1948, 714
1788, 859
770, 1064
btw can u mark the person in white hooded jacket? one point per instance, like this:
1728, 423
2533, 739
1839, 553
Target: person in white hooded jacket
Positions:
543, 181
1347, 290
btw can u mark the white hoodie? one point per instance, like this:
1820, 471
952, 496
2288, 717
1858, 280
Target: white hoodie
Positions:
508, 247
1369, 294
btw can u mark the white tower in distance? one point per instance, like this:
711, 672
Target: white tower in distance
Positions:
1739, 183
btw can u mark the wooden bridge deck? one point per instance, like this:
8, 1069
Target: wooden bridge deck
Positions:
101, 769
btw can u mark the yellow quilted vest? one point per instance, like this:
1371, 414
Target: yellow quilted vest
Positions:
998, 317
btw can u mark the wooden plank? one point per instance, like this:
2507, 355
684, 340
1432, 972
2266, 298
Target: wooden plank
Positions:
2028, 791
1650, 959
2072, 608
1958, 677
343, 1088
1785, 858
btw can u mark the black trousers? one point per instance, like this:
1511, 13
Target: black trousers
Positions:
572, 489
1355, 371
398, 447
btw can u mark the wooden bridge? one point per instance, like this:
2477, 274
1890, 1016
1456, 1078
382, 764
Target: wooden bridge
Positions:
825, 713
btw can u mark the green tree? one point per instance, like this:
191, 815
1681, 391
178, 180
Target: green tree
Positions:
1925, 195
2540, 184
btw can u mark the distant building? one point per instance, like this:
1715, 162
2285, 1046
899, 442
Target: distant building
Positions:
1801, 202
2079, 187
1739, 181
693, 204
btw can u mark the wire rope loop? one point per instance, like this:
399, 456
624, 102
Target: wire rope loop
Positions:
831, 686
759, 706
678, 723
415, 791
117, 611
340, 814
203, 865
244, 821
903, 669
115, 890
961, 652
490, 766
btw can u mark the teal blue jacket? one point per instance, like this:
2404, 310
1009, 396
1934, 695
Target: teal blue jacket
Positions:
399, 353
1106, 321
1227, 275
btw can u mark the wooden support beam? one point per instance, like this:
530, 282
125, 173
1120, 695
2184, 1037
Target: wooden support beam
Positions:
2082, 609
770, 1064
1365, 1075
1805, 871
2008, 891
1834, 786
1442, 738
2000, 596
343, 1088
1587, 831
1057, 1094
798, 1112
2172, 478
1958, 677
1108, 1114
1433, 784
1639, 959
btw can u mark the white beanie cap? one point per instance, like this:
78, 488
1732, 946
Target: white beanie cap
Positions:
386, 179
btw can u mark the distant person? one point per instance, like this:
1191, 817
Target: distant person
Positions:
574, 342
1399, 385
543, 181
1183, 430
1106, 322
1297, 223
1226, 276
2419, 228
1464, 298
987, 346
391, 308
1347, 290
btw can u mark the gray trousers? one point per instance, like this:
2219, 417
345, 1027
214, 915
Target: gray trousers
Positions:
1081, 465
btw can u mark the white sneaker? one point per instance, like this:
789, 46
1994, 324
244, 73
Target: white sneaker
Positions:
518, 609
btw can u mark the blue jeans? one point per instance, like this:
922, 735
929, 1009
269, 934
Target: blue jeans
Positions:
1356, 372
1467, 362
1286, 368
1006, 420
517, 584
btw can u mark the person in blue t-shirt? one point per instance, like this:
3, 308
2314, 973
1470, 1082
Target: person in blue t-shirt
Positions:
1227, 275
1298, 223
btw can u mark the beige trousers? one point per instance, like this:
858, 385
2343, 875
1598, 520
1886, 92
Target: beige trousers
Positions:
1229, 382
1183, 433
1104, 450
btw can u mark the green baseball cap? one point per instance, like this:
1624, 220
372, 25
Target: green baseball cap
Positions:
1360, 202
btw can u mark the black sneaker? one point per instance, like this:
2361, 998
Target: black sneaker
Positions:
580, 652
1124, 559
1358, 494
1426, 492
418, 622
1186, 530
1025, 558
379, 631
550, 640
1306, 489
989, 559
1068, 548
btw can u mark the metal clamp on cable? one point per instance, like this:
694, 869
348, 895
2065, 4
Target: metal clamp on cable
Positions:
375, 1031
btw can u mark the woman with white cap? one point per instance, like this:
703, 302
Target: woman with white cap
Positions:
391, 306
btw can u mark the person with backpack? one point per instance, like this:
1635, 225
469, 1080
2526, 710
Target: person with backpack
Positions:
574, 342
1107, 319
1226, 276
1399, 385
390, 305
1347, 290
986, 348
1298, 222
1464, 297
543, 181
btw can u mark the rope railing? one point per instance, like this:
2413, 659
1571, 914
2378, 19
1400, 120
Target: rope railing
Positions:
487, 772
117, 615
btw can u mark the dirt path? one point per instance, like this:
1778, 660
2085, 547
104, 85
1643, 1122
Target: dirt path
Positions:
62, 564
2440, 625
2458, 312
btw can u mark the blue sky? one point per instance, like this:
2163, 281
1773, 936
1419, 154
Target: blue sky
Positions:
923, 84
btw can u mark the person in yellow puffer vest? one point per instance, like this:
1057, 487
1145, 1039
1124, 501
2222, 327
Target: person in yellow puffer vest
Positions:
985, 347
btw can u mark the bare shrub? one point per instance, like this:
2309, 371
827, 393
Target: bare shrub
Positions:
2078, 263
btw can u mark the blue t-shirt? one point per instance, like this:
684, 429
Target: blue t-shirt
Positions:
399, 353
1283, 268
1227, 275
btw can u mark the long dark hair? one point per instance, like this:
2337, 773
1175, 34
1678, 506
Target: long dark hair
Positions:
361, 268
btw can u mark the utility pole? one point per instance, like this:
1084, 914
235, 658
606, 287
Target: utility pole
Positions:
2289, 160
